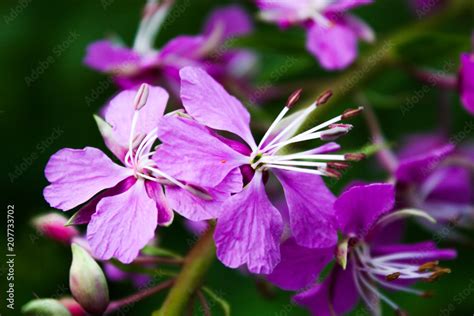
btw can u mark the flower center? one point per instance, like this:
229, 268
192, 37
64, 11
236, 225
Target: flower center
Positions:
371, 270
268, 153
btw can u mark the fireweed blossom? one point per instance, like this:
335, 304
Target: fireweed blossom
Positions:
369, 257
142, 63
434, 176
249, 226
332, 33
466, 81
128, 201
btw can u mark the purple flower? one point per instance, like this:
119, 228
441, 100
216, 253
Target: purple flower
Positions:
249, 226
126, 202
142, 63
466, 81
366, 263
434, 176
332, 34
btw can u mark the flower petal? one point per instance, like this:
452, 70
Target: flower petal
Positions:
165, 213
335, 46
195, 208
208, 102
299, 266
106, 56
76, 175
419, 167
335, 296
233, 19
466, 82
123, 224
190, 153
249, 230
358, 208
119, 113
310, 205
83, 216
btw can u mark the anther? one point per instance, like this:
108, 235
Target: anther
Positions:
338, 165
351, 113
393, 276
334, 133
141, 97
324, 97
333, 173
354, 156
293, 98
438, 273
428, 266
400, 312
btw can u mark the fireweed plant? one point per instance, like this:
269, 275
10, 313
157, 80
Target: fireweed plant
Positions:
205, 163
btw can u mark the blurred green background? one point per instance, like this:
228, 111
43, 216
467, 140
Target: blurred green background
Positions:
48, 98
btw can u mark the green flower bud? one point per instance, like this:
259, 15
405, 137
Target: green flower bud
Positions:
45, 307
87, 282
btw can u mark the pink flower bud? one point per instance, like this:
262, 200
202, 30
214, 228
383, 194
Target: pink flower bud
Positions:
73, 307
87, 282
52, 225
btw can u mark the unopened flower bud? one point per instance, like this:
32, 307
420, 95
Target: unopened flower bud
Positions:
45, 307
87, 282
74, 308
52, 225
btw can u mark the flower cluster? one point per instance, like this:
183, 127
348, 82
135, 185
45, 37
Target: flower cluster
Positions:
261, 194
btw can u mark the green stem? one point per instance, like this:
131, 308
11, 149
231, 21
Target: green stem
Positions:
195, 266
380, 56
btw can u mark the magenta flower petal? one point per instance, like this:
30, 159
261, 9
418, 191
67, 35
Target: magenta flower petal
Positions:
359, 27
165, 213
195, 208
335, 46
83, 216
249, 230
119, 113
233, 20
123, 224
358, 208
299, 266
207, 102
310, 206
107, 56
419, 167
206, 163
466, 81
338, 292
76, 175
182, 49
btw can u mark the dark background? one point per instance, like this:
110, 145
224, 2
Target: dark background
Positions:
47, 98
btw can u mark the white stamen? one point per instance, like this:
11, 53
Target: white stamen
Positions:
303, 170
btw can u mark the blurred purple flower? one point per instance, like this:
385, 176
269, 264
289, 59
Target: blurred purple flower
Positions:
249, 227
126, 202
363, 213
211, 50
434, 176
332, 33
466, 81
425, 7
